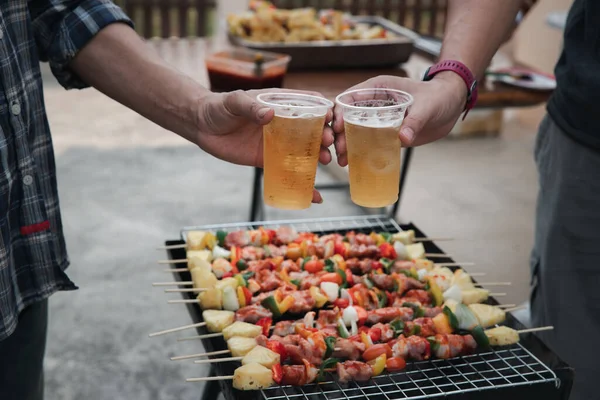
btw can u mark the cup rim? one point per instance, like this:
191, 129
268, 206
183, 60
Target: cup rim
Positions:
405, 104
327, 103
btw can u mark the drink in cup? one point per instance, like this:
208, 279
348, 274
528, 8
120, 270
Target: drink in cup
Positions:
372, 119
292, 141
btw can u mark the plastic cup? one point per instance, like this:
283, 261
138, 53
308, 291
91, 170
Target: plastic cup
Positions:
292, 141
372, 119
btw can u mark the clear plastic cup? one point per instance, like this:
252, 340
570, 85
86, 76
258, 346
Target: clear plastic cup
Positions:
292, 141
372, 119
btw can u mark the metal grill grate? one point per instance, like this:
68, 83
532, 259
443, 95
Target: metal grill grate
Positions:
505, 367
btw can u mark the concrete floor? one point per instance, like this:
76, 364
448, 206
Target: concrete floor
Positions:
127, 185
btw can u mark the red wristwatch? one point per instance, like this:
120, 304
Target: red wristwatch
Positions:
464, 72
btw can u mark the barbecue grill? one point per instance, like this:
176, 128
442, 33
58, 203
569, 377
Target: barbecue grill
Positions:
522, 371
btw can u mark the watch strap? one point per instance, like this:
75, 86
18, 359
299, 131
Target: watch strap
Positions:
461, 70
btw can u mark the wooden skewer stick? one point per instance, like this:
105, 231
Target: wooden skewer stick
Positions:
477, 273
511, 309
182, 301
543, 328
427, 239
218, 360
207, 336
176, 270
212, 353
210, 378
497, 294
192, 290
454, 264
181, 328
173, 247
437, 255
176, 261
182, 283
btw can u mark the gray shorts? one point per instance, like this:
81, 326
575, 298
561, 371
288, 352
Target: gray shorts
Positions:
565, 261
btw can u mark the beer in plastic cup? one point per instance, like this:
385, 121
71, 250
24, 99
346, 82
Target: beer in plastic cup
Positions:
372, 119
292, 141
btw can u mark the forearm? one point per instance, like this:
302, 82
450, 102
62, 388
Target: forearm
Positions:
119, 64
475, 30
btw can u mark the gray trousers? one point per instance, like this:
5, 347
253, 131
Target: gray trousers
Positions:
565, 261
22, 356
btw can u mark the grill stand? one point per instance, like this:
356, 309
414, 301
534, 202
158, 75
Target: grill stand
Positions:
524, 371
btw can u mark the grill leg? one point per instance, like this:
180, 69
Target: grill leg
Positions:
403, 172
256, 206
211, 389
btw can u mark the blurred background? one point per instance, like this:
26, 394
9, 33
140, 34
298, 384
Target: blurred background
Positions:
126, 186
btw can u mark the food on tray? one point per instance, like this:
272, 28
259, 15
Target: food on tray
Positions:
265, 23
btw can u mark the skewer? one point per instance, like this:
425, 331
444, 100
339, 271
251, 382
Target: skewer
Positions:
217, 360
497, 294
493, 284
173, 247
514, 308
176, 270
437, 255
192, 290
543, 328
182, 283
181, 328
210, 378
212, 353
506, 307
454, 264
425, 239
176, 261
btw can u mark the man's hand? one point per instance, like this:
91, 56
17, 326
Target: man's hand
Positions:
436, 107
230, 128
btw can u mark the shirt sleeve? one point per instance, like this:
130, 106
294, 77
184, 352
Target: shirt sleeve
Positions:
63, 27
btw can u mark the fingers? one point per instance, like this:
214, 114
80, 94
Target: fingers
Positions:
413, 123
240, 104
340, 149
317, 197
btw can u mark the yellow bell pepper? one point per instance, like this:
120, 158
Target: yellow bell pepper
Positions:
378, 364
320, 298
366, 339
339, 261
436, 292
285, 304
284, 276
304, 248
241, 297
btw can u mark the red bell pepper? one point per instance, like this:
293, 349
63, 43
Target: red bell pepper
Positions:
340, 249
387, 251
277, 372
362, 315
341, 303
227, 274
375, 334
277, 347
265, 323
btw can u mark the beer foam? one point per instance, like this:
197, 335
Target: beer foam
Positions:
291, 113
371, 119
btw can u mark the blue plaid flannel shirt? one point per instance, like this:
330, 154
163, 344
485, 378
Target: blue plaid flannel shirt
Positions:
33, 254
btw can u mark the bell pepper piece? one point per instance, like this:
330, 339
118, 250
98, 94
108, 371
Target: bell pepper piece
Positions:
378, 364
375, 334
279, 348
366, 339
277, 372
270, 303
340, 262
386, 263
265, 324
286, 304
241, 297
386, 250
330, 343
340, 249
236, 255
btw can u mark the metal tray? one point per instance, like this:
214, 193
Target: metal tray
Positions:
376, 53
521, 372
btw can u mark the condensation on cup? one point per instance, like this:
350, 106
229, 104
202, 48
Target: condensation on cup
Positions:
292, 141
372, 120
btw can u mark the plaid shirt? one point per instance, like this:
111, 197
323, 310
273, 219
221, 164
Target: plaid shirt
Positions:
33, 255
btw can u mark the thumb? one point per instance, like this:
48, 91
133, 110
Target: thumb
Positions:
413, 124
240, 104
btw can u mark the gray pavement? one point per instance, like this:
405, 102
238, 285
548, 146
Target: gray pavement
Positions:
127, 185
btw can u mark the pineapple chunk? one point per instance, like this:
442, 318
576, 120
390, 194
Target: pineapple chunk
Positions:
502, 336
227, 282
462, 280
488, 315
423, 263
199, 263
263, 356
473, 296
203, 279
406, 237
415, 251
217, 320
240, 346
202, 254
443, 277
252, 377
241, 329
197, 240
211, 299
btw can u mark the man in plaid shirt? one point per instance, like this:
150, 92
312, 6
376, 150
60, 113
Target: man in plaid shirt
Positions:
86, 42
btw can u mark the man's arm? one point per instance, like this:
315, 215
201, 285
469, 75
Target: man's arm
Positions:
121, 65
475, 30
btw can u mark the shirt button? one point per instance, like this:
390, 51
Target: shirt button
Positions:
15, 108
28, 180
